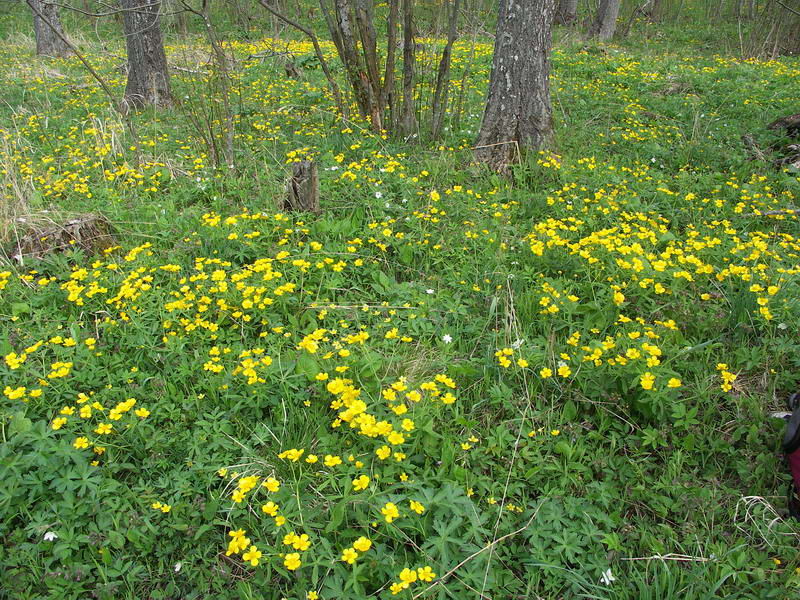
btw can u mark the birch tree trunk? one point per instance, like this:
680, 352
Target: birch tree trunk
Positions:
48, 42
518, 116
148, 76
605, 22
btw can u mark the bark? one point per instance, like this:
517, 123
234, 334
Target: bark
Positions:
408, 121
567, 12
387, 91
48, 41
148, 76
356, 72
518, 116
302, 188
605, 22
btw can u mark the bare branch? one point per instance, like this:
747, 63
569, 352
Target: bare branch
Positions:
337, 96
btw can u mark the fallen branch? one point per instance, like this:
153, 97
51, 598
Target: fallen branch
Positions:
674, 557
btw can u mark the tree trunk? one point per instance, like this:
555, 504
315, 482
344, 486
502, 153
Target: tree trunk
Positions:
148, 77
605, 22
408, 122
443, 74
567, 12
47, 29
518, 116
302, 188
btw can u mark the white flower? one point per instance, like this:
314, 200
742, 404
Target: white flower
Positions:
517, 343
379, 195
447, 338
430, 291
50, 536
606, 578
178, 566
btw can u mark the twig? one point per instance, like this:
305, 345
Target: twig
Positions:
675, 557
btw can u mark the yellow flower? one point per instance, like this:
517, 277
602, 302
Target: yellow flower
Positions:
647, 380
142, 412
417, 507
408, 575
360, 483
674, 382
545, 373
272, 484
390, 512
81, 442
252, 556
426, 574
292, 561
312, 595
349, 555
301, 542
103, 428
270, 508
395, 438
564, 371
383, 452
332, 461
362, 544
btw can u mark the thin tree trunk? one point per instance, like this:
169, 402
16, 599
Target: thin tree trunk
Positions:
408, 122
518, 115
605, 22
356, 73
366, 29
567, 12
148, 77
386, 99
443, 74
48, 42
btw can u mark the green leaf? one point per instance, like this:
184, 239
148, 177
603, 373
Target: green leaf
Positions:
20, 308
306, 365
19, 424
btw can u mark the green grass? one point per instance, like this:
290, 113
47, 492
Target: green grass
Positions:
643, 230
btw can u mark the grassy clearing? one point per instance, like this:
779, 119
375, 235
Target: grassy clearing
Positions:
449, 384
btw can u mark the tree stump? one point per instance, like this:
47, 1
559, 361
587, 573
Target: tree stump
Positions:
302, 188
292, 72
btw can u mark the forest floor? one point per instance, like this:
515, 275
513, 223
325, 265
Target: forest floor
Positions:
446, 384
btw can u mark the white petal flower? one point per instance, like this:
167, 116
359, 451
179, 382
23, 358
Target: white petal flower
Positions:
606, 578
178, 566
447, 338
50, 536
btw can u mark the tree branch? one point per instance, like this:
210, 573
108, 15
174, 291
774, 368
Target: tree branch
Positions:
337, 96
